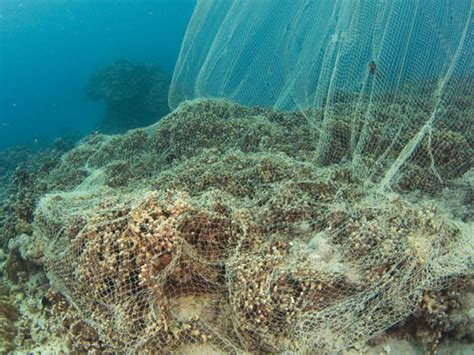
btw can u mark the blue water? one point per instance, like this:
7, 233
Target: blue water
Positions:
50, 48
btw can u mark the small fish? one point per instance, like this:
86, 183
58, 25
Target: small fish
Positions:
373, 69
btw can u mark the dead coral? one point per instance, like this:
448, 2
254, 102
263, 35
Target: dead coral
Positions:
80, 337
284, 254
447, 152
8, 315
442, 315
156, 250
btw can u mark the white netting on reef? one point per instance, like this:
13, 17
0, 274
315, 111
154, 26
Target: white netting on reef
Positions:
215, 231
413, 58
310, 215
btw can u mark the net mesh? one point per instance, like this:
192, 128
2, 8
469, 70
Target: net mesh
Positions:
310, 214
215, 231
412, 57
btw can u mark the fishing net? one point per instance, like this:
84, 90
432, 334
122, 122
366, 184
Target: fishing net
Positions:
355, 61
316, 185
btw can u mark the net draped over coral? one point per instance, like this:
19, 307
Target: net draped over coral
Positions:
315, 186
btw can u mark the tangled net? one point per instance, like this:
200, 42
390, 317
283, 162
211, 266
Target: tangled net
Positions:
214, 230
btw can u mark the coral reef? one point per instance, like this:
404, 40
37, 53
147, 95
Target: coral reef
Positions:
8, 315
221, 207
439, 314
25, 324
34, 318
214, 230
22, 184
135, 95
443, 320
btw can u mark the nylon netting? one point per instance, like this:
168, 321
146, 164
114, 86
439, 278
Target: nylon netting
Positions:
412, 57
215, 231
308, 215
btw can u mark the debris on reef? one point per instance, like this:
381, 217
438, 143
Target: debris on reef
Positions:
224, 204
214, 230
135, 95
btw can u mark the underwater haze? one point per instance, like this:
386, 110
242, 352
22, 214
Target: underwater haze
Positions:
49, 50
